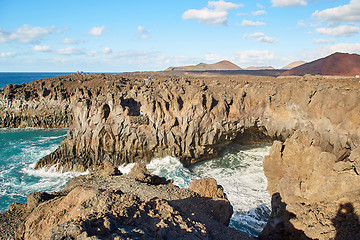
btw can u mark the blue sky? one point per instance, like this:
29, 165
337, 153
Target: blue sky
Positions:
141, 35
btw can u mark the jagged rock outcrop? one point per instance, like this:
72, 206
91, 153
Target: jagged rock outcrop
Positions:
311, 171
309, 187
119, 207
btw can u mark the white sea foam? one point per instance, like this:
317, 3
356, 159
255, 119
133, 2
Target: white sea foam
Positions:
53, 178
171, 168
49, 139
126, 168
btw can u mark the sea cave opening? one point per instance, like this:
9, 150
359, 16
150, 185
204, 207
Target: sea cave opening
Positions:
238, 168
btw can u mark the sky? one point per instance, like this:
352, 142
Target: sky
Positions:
144, 35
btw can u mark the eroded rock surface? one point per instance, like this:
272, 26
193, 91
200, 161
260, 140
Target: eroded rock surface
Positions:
119, 207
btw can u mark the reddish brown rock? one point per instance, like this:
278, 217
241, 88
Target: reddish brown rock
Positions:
337, 64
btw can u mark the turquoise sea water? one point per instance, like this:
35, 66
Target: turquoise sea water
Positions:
25, 77
20, 149
238, 169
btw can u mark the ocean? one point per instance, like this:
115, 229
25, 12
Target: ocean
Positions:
238, 169
25, 77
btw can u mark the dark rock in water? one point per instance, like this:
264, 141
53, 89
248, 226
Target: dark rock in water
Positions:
100, 206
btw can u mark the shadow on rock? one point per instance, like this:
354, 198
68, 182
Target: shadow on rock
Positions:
346, 223
279, 225
197, 210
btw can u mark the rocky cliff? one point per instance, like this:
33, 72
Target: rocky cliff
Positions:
313, 165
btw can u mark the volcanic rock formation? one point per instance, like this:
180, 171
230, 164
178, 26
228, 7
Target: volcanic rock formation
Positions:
337, 64
222, 65
313, 165
293, 65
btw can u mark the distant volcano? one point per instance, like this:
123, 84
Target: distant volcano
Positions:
223, 65
293, 65
260, 68
337, 64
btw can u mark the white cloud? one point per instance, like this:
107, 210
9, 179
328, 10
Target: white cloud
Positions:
216, 13
254, 35
288, 3
222, 5
344, 30
7, 54
249, 57
252, 24
257, 13
69, 41
107, 50
345, 13
266, 39
97, 31
254, 56
324, 51
144, 33
70, 51
25, 34
41, 48
261, 37
320, 41
343, 47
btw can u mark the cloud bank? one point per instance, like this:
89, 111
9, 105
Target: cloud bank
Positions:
288, 3
344, 30
26, 34
345, 13
216, 13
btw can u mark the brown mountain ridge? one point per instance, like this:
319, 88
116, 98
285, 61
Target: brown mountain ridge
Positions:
293, 65
336, 64
222, 65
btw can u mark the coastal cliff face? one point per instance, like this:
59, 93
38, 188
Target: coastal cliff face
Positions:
42, 103
313, 166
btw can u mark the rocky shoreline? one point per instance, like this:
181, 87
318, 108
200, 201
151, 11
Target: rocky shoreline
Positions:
108, 205
312, 121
